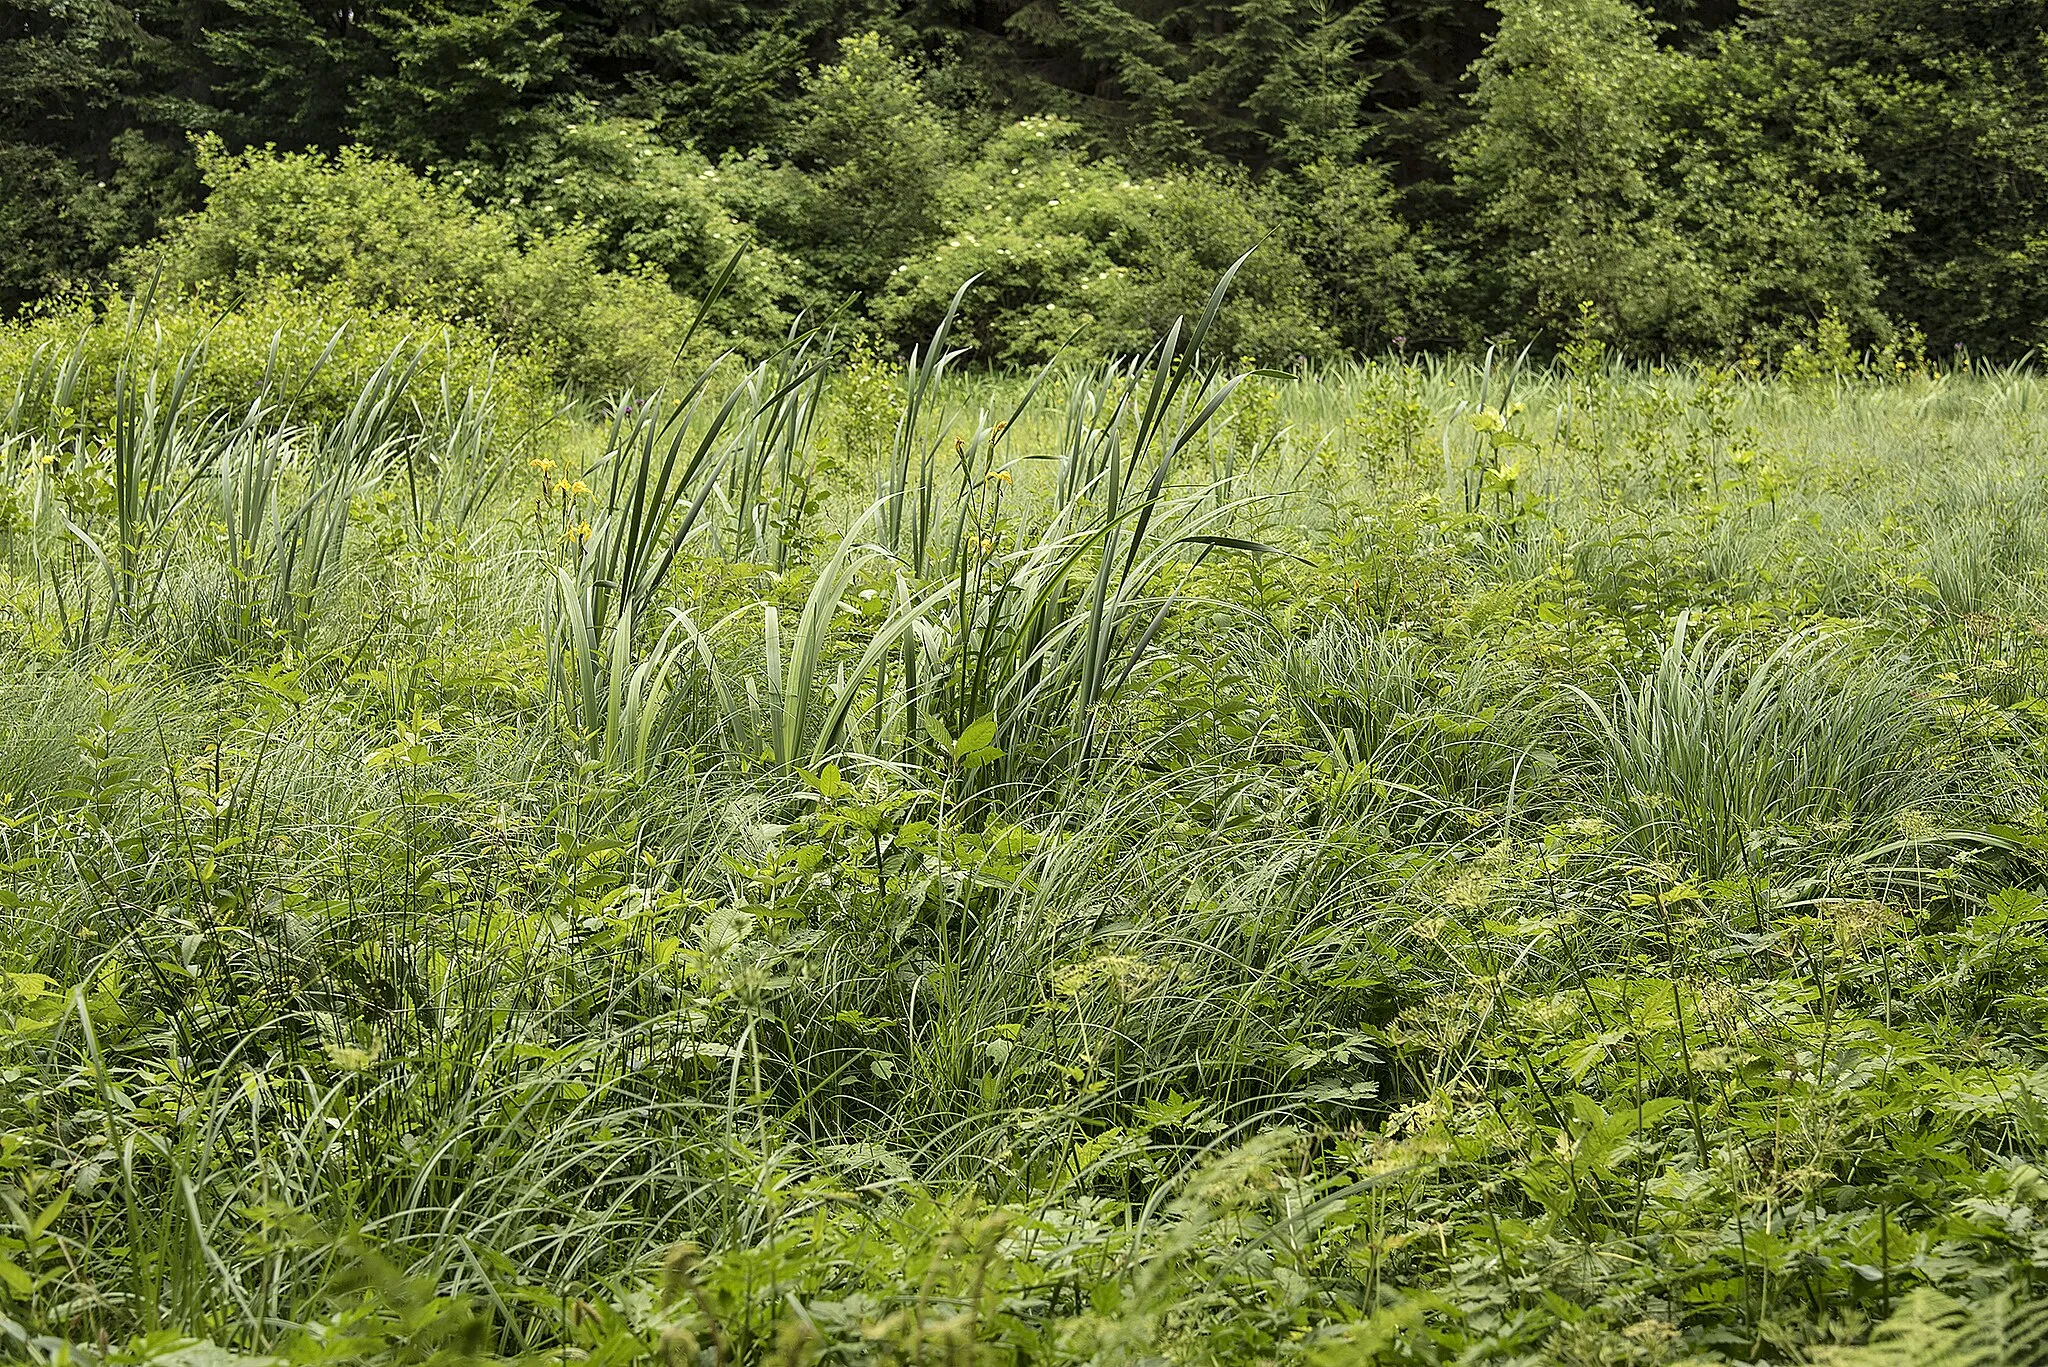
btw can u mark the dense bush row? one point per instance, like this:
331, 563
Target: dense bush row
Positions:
1710, 181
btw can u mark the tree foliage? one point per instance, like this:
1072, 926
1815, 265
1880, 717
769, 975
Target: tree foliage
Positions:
383, 237
1710, 179
1694, 202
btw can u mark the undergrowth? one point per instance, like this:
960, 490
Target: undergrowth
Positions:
1140, 863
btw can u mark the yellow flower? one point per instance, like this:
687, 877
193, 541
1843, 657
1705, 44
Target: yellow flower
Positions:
350, 1058
542, 464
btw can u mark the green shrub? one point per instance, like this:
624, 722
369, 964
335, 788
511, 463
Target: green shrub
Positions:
1699, 203
1778, 197
649, 205
385, 238
1561, 169
299, 324
1068, 247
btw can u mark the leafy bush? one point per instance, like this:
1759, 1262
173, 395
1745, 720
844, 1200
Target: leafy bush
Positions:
1560, 167
1714, 177
276, 326
1067, 247
1770, 184
1696, 204
387, 239
648, 205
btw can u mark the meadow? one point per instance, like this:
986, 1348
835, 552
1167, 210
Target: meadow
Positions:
1154, 861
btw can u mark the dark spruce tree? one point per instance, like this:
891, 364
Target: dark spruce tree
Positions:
90, 161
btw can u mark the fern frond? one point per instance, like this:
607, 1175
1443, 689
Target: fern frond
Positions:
1932, 1330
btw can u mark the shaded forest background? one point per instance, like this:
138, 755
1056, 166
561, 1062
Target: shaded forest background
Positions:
1701, 178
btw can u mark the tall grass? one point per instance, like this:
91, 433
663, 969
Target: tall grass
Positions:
1724, 750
